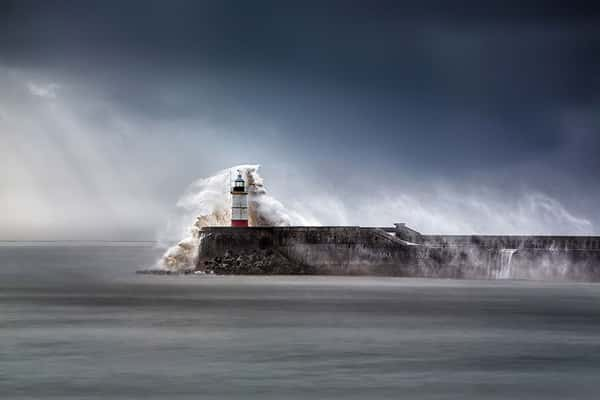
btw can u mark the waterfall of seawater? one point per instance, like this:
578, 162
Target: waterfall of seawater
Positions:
505, 271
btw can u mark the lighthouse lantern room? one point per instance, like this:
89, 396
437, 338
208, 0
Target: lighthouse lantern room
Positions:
239, 203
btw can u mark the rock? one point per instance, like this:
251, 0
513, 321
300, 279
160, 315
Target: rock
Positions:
254, 270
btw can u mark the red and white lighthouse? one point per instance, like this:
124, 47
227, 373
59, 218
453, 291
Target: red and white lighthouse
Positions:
239, 203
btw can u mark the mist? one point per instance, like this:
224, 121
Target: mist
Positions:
369, 118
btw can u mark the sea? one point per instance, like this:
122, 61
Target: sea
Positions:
76, 322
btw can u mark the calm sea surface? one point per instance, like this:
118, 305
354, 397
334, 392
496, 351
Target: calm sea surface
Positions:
77, 323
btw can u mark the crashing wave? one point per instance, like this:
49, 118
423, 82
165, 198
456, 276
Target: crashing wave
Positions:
210, 200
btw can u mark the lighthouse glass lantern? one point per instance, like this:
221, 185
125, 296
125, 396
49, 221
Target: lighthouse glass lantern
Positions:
239, 203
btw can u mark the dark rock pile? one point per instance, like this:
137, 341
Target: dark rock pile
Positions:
164, 272
258, 262
255, 262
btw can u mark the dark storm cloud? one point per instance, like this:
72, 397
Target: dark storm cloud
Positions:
506, 91
506, 64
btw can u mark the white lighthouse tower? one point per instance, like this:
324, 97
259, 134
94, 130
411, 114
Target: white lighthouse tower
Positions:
239, 203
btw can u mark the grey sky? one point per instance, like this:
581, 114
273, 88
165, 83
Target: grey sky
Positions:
454, 117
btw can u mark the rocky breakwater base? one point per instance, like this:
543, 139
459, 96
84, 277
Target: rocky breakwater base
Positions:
395, 251
257, 262
302, 250
252, 262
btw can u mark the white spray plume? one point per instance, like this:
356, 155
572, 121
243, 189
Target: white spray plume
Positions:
209, 200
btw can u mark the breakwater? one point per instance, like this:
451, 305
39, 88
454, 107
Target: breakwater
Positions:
396, 251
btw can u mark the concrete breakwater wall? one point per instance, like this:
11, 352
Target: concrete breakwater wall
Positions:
514, 257
397, 251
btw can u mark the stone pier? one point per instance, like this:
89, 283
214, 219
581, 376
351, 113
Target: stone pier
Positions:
396, 251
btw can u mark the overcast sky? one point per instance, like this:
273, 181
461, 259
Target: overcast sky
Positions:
456, 117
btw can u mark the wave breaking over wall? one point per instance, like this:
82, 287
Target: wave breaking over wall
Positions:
209, 200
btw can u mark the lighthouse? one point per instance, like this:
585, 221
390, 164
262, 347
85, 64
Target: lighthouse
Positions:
239, 203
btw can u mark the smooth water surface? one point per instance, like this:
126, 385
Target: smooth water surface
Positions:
77, 323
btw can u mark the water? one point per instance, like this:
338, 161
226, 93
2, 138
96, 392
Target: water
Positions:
505, 264
76, 323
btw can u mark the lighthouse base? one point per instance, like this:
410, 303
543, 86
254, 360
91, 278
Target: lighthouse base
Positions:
239, 223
